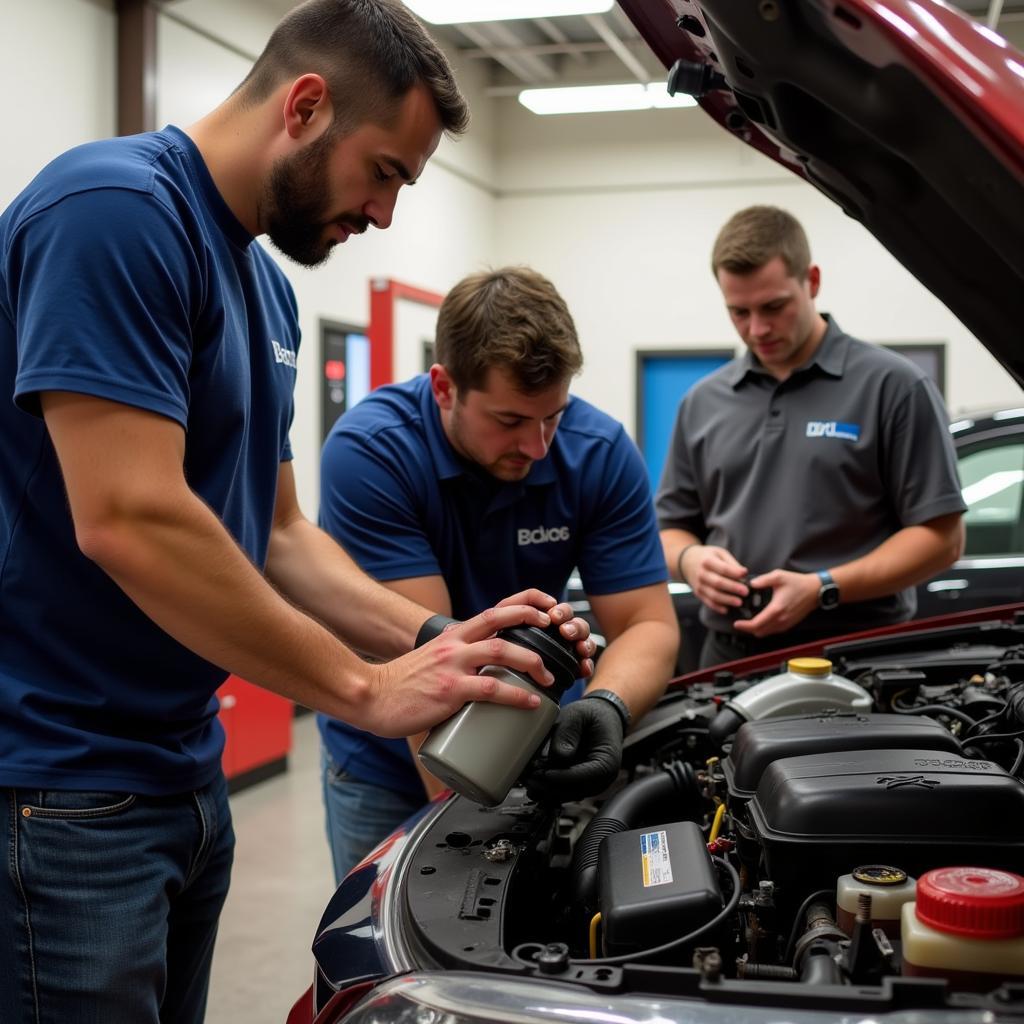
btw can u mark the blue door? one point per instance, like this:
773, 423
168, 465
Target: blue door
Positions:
663, 377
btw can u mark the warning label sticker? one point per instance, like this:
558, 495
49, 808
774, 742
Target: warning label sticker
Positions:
655, 859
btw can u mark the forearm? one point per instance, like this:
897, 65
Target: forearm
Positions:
315, 572
673, 543
177, 562
638, 664
907, 558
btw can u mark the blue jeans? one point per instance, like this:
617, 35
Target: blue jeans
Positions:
109, 904
359, 814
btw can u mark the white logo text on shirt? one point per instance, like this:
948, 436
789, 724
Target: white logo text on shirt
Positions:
543, 535
282, 354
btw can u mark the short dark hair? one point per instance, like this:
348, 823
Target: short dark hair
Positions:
370, 53
511, 319
755, 236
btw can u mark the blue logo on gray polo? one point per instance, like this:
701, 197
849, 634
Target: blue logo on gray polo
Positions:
830, 428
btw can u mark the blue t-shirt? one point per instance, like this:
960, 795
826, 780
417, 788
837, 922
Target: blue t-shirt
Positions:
404, 504
125, 276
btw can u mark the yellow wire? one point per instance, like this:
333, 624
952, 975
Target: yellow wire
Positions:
594, 922
717, 823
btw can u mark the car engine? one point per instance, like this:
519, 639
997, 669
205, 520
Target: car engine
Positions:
752, 844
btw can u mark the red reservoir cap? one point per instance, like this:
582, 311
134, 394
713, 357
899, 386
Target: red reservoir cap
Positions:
981, 903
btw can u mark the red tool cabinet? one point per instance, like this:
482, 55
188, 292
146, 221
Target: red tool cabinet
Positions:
258, 729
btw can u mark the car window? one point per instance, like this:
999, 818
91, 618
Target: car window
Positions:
993, 490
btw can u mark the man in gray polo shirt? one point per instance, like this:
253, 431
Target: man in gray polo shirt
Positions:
814, 464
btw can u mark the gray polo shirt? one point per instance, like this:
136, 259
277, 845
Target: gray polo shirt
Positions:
814, 471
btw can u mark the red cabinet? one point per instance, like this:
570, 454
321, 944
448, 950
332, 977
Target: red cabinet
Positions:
258, 729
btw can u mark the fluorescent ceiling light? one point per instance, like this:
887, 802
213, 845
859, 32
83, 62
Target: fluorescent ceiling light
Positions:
449, 12
587, 99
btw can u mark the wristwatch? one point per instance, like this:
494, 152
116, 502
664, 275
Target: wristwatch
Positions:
828, 595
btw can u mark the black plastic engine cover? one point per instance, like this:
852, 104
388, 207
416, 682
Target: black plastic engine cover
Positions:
821, 815
757, 744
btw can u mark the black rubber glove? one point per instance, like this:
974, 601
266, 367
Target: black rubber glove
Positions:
583, 756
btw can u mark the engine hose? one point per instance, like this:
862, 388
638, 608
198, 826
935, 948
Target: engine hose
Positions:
765, 972
817, 949
675, 785
819, 965
1015, 703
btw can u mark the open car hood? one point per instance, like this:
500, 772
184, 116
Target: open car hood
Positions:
906, 113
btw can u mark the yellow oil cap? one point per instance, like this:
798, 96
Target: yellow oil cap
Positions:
810, 666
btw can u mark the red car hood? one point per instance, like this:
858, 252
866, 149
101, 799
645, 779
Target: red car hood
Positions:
906, 113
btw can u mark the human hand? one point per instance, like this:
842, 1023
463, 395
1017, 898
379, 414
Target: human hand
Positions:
569, 625
415, 692
715, 577
794, 597
584, 753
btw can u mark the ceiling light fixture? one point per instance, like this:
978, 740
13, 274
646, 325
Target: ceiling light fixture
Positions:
595, 99
450, 12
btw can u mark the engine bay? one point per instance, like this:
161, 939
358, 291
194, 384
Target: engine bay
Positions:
767, 843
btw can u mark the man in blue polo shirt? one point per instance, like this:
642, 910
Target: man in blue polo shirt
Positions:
481, 476
148, 519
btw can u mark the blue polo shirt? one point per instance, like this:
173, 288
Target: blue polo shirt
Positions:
125, 276
404, 504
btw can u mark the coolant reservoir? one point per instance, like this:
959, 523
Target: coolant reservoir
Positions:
807, 687
888, 887
966, 925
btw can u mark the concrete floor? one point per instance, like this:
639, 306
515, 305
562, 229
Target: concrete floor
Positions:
281, 882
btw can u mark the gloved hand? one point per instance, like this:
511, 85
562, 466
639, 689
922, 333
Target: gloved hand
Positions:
584, 753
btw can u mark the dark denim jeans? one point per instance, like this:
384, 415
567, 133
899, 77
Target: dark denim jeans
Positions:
109, 904
360, 815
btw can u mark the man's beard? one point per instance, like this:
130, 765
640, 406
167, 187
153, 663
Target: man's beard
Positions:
294, 205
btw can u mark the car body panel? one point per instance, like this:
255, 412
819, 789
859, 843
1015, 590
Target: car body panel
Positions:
461, 998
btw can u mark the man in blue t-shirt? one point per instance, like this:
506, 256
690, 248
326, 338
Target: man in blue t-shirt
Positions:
150, 537
474, 479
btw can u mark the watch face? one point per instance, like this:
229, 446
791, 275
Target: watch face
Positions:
828, 596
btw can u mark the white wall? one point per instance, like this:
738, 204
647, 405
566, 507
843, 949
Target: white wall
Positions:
57, 77
622, 210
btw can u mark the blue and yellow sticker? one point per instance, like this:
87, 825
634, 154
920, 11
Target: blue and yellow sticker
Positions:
654, 857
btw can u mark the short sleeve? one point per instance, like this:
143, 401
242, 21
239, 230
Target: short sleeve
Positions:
370, 505
678, 501
104, 282
919, 458
621, 548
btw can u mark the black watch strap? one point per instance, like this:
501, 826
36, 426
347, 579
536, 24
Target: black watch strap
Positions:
434, 626
616, 702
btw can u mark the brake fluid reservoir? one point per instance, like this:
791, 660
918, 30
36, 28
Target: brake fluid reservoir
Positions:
888, 887
966, 925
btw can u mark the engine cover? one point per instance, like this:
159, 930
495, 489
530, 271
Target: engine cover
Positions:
758, 744
821, 815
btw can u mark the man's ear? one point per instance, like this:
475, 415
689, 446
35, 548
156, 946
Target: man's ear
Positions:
814, 279
443, 387
307, 108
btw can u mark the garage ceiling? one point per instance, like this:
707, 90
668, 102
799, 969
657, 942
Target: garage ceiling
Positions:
585, 49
